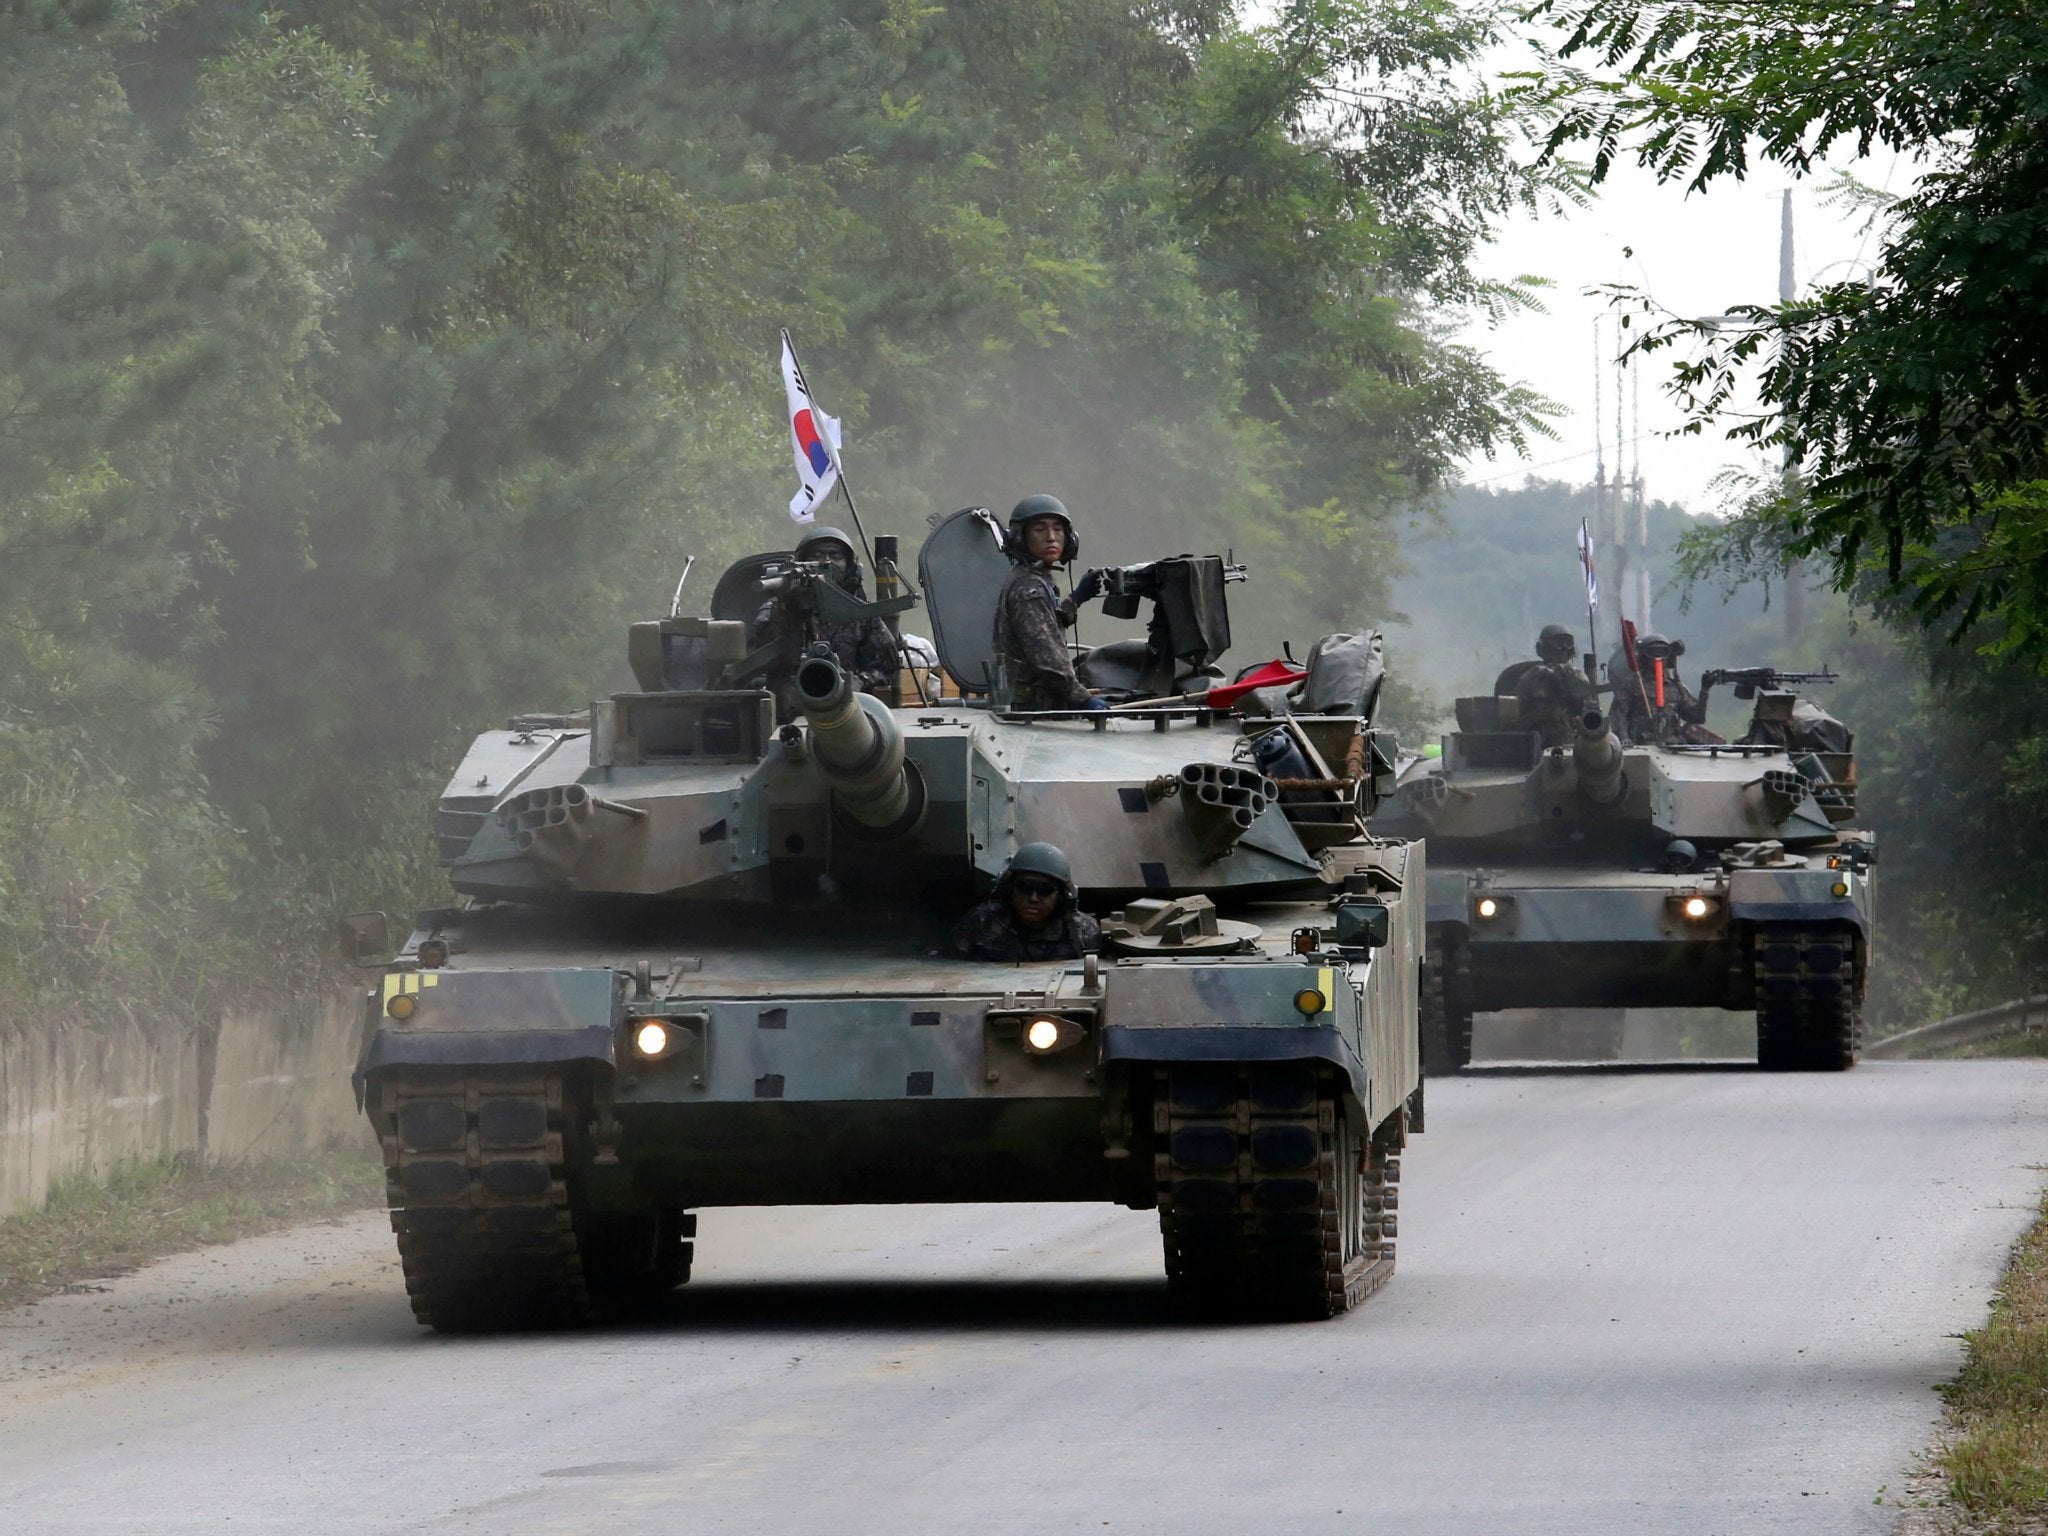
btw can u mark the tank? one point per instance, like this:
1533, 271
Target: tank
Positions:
1600, 874
695, 960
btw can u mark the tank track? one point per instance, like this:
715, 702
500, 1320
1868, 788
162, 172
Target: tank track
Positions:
1808, 1006
1271, 1201
1446, 1016
476, 1177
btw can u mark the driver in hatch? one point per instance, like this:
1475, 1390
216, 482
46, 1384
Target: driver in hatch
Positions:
1031, 915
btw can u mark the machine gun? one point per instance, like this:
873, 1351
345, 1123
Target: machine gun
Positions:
809, 596
1125, 586
1188, 630
1748, 680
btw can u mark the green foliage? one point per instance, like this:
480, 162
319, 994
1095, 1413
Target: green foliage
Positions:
364, 365
1911, 402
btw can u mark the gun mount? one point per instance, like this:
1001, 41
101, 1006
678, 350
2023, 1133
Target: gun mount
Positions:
859, 749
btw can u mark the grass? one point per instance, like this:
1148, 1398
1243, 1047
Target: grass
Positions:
1996, 1460
87, 1230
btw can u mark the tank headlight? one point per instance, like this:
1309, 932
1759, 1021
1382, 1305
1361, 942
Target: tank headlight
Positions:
1487, 907
1310, 1001
433, 954
1840, 887
1045, 1033
400, 1005
1697, 907
651, 1039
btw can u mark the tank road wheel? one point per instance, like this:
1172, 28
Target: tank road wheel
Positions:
1808, 1015
475, 1174
1272, 1200
1447, 1008
632, 1259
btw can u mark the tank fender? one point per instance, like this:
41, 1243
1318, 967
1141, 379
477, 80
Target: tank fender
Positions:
1767, 896
491, 1018
1228, 1042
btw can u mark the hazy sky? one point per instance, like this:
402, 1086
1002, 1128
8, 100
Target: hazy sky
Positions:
1695, 255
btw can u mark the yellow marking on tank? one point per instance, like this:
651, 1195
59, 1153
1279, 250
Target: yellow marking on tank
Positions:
408, 981
1326, 985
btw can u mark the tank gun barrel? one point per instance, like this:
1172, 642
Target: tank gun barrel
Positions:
859, 749
1597, 756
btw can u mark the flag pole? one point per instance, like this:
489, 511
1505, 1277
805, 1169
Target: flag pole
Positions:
832, 449
903, 661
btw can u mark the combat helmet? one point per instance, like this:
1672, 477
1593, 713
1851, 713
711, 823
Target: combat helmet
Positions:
1655, 647
1042, 859
808, 544
1556, 643
825, 535
1029, 510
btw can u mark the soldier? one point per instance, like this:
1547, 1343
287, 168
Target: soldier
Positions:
1637, 715
1031, 615
1551, 695
865, 649
1030, 916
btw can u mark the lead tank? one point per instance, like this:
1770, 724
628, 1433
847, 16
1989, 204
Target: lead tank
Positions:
1602, 874
693, 961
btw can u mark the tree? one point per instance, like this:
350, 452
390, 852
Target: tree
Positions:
1912, 404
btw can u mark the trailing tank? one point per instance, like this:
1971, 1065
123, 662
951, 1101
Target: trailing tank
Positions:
695, 959
1600, 873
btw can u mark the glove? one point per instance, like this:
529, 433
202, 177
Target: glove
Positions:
1090, 584
1096, 707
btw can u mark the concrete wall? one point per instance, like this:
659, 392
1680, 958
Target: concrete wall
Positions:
83, 1099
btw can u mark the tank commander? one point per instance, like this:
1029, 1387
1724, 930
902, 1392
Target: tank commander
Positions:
1551, 695
1031, 914
1639, 717
866, 650
1032, 617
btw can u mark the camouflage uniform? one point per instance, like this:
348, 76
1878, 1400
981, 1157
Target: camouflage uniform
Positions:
1030, 616
989, 931
1638, 719
1550, 696
864, 649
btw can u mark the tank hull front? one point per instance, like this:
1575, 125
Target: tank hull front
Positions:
554, 1099
1562, 937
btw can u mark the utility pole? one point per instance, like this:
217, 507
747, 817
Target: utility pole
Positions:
1624, 555
1795, 570
1635, 382
1599, 470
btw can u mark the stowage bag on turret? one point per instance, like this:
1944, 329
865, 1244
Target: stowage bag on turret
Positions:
1344, 673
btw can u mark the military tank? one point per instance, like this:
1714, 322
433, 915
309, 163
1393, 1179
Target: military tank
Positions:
1606, 874
695, 961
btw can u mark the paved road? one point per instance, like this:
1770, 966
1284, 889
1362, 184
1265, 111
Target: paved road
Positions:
1692, 1302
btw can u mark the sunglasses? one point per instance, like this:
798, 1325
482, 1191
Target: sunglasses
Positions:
1035, 890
